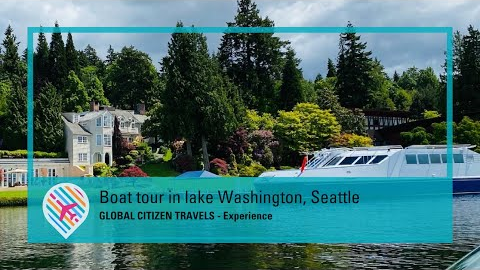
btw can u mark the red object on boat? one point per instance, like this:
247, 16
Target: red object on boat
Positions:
304, 163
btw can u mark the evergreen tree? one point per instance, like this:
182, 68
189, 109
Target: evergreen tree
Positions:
252, 61
132, 79
396, 77
353, 70
57, 62
195, 102
111, 56
48, 124
291, 91
319, 77
15, 122
467, 74
71, 55
11, 62
331, 70
93, 85
40, 64
75, 97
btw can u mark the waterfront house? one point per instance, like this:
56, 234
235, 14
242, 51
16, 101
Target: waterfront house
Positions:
88, 140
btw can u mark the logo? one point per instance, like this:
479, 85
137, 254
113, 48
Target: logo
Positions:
65, 206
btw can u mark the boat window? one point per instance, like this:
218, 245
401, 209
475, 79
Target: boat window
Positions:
444, 158
363, 160
348, 161
333, 161
378, 159
435, 158
411, 159
458, 158
423, 159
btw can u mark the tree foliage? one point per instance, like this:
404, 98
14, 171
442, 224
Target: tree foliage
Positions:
132, 79
306, 128
48, 125
291, 91
252, 61
75, 97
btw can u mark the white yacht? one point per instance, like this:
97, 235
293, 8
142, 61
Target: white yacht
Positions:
391, 161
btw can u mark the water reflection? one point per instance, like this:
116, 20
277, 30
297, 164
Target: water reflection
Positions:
15, 253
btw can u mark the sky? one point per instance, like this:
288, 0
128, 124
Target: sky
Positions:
395, 51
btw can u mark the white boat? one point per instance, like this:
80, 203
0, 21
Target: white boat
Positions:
391, 161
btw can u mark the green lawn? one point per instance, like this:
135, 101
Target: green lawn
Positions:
159, 170
13, 193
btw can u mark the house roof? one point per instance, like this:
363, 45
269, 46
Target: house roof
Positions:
75, 128
129, 115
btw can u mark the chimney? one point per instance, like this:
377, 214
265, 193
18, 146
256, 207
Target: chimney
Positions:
140, 109
94, 106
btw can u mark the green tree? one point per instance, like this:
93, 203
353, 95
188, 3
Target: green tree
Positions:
291, 91
75, 97
15, 122
40, 64
396, 77
11, 65
48, 124
71, 55
379, 88
132, 79
93, 85
256, 121
351, 121
331, 70
252, 61
468, 131
430, 114
401, 97
467, 72
111, 55
195, 101
353, 70
306, 128
5, 89
418, 135
57, 61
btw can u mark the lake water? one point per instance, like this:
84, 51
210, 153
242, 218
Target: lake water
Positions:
15, 253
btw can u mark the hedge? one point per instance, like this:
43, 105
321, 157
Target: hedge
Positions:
36, 154
13, 201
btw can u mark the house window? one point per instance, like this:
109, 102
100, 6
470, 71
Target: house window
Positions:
132, 125
99, 139
52, 173
122, 124
36, 172
106, 120
82, 157
99, 121
75, 118
82, 139
107, 140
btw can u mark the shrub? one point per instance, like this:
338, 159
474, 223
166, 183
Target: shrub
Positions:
134, 154
163, 150
101, 169
351, 140
36, 154
133, 171
265, 147
183, 163
168, 155
219, 166
254, 170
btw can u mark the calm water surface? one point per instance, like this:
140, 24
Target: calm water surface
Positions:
15, 253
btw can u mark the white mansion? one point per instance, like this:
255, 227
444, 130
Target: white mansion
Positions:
88, 140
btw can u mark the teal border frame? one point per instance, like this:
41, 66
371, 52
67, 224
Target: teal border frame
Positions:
448, 31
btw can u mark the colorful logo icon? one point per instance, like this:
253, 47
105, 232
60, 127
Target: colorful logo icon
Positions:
65, 206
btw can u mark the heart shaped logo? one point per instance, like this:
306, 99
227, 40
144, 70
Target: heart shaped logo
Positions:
65, 206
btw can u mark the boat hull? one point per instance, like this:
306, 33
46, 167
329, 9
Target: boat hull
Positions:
469, 185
